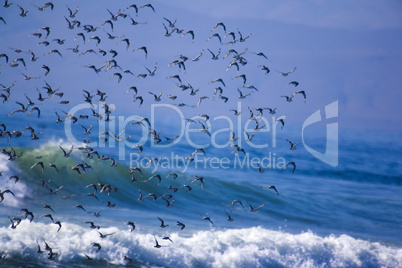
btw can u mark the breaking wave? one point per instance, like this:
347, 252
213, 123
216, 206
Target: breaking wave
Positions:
251, 247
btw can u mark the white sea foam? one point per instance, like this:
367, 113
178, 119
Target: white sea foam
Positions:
53, 145
19, 189
252, 247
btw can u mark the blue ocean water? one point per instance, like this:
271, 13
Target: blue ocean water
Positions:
347, 215
344, 216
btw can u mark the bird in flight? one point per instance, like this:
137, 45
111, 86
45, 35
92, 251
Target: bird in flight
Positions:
219, 24
292, 146
157, 98
281, 121
290, 98
215, 56
190, 32
287, 73
271, 187
162, 223
252, 209
291, 164
235, 202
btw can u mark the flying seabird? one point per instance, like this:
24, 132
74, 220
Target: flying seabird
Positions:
174, 175
252, 209
230, 219
265, 69
167, 238
197, 58
200, 99
129, 260
157, 98
97, 245
59, 224
215, 56
7, 4
119, 75
232, 34
47, 216
143, 48
188, 187
156, 176
271, 187
104, 235
71, 13
204, 128
182, 225
190, 32
174, 189
92, 225
217, 36
206, 218
281, 121
241, 38
287, 73
64, 152
292, 146
157, 244
23, 11
149, 6
236, 113
40, 251
225, 99
249, 137
169, 203
40, 163
127, 41
234, 202
171, 24
15, 221
201, 179
241, 96
162, 223
291, 164
290, 98
131, 225
219, 24
4, 192
218, 80
294, 83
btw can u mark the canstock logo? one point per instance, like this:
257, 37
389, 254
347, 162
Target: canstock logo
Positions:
331, 153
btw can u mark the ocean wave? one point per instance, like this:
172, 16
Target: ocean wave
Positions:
20, 189
32, 179
250, 247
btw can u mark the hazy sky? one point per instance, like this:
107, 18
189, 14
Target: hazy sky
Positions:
346, 51
343, 14
349, 50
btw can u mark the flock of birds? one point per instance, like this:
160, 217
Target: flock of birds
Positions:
94, 35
